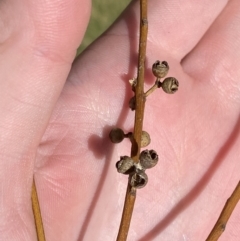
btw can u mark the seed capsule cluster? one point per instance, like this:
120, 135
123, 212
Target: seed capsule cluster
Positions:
136, 171
159, 70
148, 158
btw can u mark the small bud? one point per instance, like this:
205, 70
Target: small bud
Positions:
139, 179
116, 135
132, 103
148, 159
145, 140
160, 69
133, 83
170, 85
125, 165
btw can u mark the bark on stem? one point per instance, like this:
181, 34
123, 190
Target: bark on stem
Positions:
37, 214
138, 124
221, 223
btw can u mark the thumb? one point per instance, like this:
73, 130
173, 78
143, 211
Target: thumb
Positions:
38, 43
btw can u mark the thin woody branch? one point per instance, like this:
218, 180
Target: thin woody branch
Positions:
139, 114
221, 223
37, 214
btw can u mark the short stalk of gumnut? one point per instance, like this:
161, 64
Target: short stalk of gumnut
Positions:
117, 135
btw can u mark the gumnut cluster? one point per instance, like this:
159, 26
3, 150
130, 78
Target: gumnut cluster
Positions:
160, 70
136, 171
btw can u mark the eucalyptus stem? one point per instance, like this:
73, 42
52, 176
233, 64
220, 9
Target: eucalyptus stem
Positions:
154, 87
228, 208
37, 214
138, 124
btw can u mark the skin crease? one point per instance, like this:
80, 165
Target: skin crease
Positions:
57, 126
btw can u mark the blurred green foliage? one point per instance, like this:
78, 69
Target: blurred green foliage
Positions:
104, 13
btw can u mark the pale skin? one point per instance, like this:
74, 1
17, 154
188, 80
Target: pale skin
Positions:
55, 119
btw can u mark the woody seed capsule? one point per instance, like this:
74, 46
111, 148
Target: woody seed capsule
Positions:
170, 85
125, 165
139, 179
145, 139
116, 135
148, 159
132, 103
160, 69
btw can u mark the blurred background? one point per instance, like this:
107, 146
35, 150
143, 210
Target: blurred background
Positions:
104, 13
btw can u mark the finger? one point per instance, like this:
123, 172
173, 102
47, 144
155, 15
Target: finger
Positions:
215, 60
176, 26
37, 47
214, 97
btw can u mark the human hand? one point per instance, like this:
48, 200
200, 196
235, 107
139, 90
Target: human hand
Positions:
195, 131
38, 42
